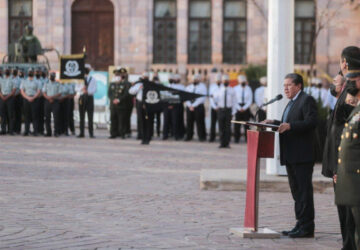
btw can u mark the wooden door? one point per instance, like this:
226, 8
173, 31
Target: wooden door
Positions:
93, 27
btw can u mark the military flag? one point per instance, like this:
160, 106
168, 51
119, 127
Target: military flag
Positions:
156, 96
72, 68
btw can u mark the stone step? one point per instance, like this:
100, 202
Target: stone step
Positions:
235, 180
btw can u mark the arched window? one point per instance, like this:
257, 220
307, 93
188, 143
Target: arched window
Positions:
164, 45
234, 32
20, 15
304, 31
199, 30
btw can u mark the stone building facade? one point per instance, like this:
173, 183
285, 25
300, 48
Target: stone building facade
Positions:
131, 23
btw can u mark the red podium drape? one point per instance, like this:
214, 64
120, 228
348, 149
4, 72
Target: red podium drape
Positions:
260, 144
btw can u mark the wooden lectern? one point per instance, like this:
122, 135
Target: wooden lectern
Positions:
260, 144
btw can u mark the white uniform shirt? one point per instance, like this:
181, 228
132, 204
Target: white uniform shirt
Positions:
91, 89
323, 95
200, 88
137, 90
260, 95
214, 87
244, 96
177, 86
231, 99
314, 92
330, 100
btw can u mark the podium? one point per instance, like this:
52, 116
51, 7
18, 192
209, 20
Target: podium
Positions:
260, 144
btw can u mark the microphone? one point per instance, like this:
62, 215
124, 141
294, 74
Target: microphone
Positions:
277, 98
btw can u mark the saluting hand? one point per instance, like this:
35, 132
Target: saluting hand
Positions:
284, 127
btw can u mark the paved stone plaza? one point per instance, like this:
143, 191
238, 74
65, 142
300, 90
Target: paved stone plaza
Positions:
69, 193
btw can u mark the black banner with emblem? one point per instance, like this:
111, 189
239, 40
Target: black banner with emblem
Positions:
156, 96
72, 68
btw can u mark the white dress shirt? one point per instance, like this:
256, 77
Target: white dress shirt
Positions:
245, 92
260, 95
91, 89
177, 86
231, 99
214, 87
330, 100
200, 88
137, 90
323, 95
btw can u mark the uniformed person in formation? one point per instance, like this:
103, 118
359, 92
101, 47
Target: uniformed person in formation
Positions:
195, 110
41, 100
244, 96
226, 101
65, 93
70, 107
129, 101
348, 172
260, 98
147, 116
167, 113
137, 90
51, 92
177, 112
30, 92
7, 93
214, 87
17, 78
86, 102
118, 93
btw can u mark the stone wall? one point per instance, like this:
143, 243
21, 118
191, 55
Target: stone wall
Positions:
134, 27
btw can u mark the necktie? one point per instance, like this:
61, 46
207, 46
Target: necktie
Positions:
243, 97
225, 106
86, 82
194, 91
287, 110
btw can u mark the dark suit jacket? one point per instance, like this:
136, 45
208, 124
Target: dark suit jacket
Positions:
297, 145
335, 127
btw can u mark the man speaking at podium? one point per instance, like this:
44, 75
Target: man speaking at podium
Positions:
297, 129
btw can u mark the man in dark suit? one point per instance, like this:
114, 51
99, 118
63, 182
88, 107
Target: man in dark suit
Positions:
297, 129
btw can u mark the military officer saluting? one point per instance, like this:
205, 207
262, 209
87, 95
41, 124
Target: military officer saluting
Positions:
119, 96
7, 92
348, 172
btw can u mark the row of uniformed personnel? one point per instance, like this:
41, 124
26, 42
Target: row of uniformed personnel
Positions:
238, 101
36, 97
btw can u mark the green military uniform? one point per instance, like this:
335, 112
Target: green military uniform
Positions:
118, 91
128, 102
348, 183
347, 190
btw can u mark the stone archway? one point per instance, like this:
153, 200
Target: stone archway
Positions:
93, 27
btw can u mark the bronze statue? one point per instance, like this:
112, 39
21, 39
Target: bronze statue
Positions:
31, 46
